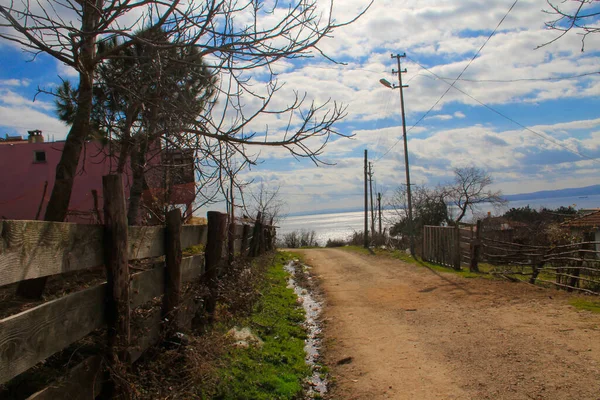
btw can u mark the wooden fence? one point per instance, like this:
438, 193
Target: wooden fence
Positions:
35, 249
574, 267
442, 245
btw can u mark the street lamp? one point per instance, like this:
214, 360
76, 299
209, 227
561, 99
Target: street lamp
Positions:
387, 84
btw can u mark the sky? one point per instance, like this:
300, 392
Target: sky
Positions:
526, 114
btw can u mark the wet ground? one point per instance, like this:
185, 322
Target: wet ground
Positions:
301, 281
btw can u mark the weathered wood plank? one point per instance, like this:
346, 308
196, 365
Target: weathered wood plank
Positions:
237, 246
189, 307
33, 335
83, 382
147, 285
217, 226
173, 268
150, 284
32, 249
116, 260
146, 241
239, 231
147, 332
192, 267
192, 235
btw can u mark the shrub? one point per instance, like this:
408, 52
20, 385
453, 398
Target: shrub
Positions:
335, 243
301, 238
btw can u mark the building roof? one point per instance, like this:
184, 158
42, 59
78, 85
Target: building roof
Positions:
590, 220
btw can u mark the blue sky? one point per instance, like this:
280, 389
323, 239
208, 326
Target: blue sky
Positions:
441, 36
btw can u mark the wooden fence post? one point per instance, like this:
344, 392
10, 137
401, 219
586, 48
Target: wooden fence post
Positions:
231, 238
261, 239
245, 240
255, 242
574, 280
268, 241
457, 255
172, 298
217, 233
537, 265
476, 249
423, 243
117, 265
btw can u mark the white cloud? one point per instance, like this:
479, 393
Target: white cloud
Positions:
443, 35
441, 117
15, 82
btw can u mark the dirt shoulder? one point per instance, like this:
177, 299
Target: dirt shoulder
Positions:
414, 333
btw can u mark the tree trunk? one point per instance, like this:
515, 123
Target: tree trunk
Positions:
66, 169
58, 205
138, 166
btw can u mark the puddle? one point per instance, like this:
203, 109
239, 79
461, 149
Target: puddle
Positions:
313, 308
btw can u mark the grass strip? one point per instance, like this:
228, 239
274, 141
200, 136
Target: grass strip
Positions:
585, 304
277, 369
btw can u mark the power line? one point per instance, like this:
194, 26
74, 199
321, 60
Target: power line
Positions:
558, 78
458, 77
545, 137
548, 79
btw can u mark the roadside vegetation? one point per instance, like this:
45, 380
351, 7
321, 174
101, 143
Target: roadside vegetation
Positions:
215, 364
298, 239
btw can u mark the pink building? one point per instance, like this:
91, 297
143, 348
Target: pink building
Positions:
27, 172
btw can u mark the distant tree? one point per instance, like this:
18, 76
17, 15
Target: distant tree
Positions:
522, 214
267, 201
578, 15
529, 215
429, 208
469, 189
540, 227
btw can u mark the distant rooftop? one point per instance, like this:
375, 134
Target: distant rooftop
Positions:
590, 220
11, 138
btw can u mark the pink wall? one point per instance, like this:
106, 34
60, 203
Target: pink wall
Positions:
22, 180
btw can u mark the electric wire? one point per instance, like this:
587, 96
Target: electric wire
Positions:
545, 137
547, 79
454, 82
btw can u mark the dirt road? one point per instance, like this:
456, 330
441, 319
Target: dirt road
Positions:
414, 333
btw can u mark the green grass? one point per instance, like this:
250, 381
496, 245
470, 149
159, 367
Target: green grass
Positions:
277, 370
585, 304
193, 250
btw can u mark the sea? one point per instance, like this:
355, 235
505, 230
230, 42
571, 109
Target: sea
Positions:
342, 225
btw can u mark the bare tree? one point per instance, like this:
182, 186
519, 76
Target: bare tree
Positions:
432, 206
267, 201
578, 15
229, 32
236, 35
429, 208
469, 189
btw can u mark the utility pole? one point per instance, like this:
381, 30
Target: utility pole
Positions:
379, 207
408, 191
371, 190
366, 235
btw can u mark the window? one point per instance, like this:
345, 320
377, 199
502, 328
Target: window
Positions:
39, 156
